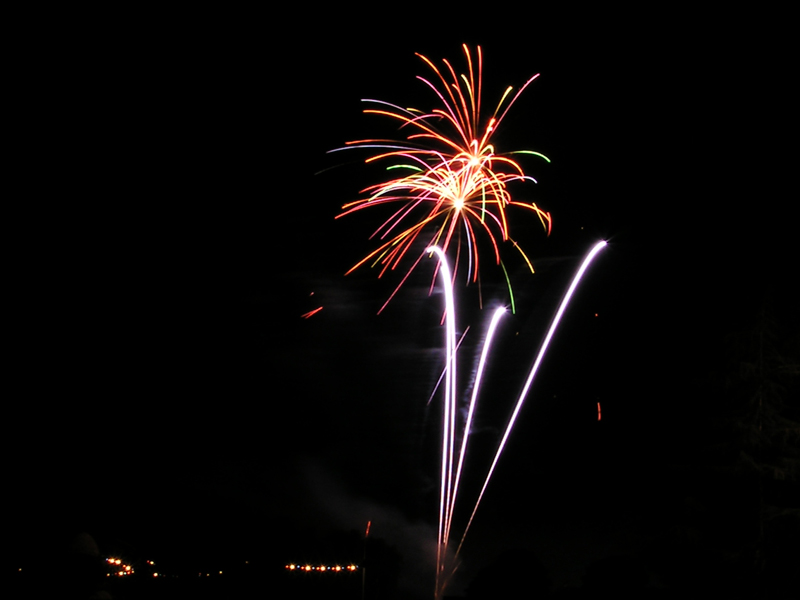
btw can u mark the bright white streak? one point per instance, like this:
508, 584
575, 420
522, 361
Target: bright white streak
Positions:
449, 407
478, 376
444, 371
564, 302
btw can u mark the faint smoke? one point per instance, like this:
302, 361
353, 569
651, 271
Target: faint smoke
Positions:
414, 540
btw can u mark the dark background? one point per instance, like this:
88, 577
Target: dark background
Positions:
175, 210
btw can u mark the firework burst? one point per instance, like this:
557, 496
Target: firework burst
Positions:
453, 184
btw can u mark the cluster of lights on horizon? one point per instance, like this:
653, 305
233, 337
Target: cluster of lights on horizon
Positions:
120, 568
307, 568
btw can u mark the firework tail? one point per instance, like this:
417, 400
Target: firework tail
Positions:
495, 321
449, 409
556, 319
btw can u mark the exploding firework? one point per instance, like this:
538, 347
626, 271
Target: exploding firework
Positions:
454, 184
451, 191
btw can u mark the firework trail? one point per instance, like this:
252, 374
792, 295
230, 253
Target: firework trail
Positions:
454, 183
450, 476
498, 313
444, 371
448, 425
534, 369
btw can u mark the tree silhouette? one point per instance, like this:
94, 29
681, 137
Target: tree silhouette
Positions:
730, 518
763, 421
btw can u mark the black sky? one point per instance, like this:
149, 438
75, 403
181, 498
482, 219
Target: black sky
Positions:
178, 211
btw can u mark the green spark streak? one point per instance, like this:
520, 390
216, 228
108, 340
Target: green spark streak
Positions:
539, 154
510, 293
412, 167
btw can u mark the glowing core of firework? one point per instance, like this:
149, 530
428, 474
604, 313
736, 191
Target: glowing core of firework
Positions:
455, 183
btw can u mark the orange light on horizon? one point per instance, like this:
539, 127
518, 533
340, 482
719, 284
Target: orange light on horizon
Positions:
319, 568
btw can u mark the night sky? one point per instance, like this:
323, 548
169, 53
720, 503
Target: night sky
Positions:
178, 214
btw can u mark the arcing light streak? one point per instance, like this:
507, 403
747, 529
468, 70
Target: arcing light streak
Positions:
455, 183
556, 319
449, 477
498, 313
448, 425
444, 371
